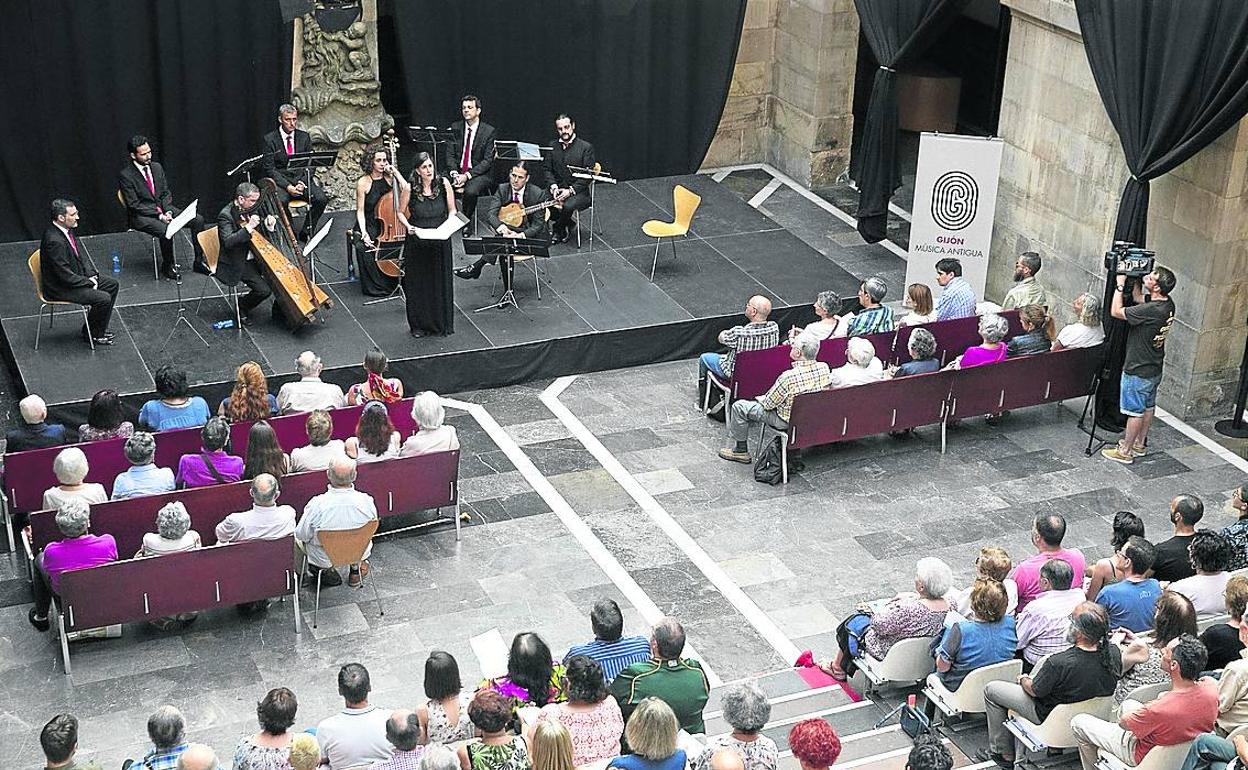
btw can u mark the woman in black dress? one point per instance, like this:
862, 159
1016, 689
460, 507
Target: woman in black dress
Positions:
427, 264
379, 180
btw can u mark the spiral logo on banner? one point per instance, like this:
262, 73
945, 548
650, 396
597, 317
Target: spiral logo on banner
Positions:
955, 200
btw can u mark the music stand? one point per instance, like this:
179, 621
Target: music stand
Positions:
594, 177
507, 153
186, 216
246, 166
390, 251
505, 250
433, 137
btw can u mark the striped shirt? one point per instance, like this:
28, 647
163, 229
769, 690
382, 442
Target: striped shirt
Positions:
872, 321
615, 656
753, 336
956, 301
803, 377
1042, 624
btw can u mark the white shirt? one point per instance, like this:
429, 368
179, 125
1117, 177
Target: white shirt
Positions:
960, 599
155, 545
354, 737
1079, 335
89, 493
914, 319
309, 394
335, 509
260, 522
427, 441
842, 329
362, 455
316, 458
1207, 592
853, 374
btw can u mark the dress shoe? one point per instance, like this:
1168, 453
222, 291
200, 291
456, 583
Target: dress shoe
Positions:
171, 272
40, 623
466, 232
102, 341
417, 333
201, 267
470, 273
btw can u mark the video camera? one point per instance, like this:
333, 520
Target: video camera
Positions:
1125, 258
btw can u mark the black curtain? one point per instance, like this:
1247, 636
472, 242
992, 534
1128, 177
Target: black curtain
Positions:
899, 32
201, 80
1173, 75
646, 80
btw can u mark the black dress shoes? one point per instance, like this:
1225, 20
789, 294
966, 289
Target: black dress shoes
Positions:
171, 272
201, 267
560, 236
417, 333
466, 232
469, 273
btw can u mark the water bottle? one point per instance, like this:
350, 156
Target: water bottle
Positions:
226, 324
116, 262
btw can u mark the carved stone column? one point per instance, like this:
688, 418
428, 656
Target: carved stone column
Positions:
334, 84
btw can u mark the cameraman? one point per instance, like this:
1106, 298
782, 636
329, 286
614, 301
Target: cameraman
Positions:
1149, 322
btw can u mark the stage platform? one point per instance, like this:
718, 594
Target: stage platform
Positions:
733, 251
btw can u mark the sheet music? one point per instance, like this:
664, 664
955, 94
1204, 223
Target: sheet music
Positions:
528, 151
320, 236
491, 652
178, 222
239, 167
453, 224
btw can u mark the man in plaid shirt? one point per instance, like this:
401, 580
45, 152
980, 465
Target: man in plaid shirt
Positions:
874, 317
758, 334
167, 729
774, 407
958, 298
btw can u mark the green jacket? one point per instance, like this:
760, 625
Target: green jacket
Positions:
681, 684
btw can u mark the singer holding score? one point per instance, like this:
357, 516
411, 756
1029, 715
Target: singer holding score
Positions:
68, 273
427, 282
381, 179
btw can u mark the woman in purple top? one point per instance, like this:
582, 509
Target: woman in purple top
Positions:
211, 465
78, 550
992, 330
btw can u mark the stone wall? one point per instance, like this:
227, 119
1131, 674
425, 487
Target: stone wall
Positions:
1061, 178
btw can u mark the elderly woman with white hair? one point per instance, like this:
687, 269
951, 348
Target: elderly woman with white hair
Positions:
173, 532
827, 307
70, 468
35, 432
746, 710
1086, 331
922, 349
142, 477
992, 330
77, 550
432, 433
861, 366
910, 614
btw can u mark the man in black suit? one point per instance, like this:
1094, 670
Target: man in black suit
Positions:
235, 224
573, 194
470, 162
279, 145
149, 205
68, 274
517, 190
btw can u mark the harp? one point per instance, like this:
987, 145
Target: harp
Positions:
283, 264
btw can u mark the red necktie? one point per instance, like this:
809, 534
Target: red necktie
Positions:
463, 164
151, 186
290, 145
73, 243
515, 196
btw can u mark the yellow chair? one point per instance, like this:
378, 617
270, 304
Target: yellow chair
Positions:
344, 547
211, 246
155, 246
686, 202
50, 304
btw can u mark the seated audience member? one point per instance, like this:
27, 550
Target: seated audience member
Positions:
1175, 717
922, 349
340, 507
495, 748
1105, 571
746, 710
167, 730
613, 651
908, 615
1237, 533
929, 753
1035, 337
532, 678
1141, 659
264, 454
992, 329
1047, 533
1173, 560
1210, 553
403, 733
309, 392
774, 407
438, 757
757, 334
1233, 691
212, 464
679, 682
992, 563
432, 433
1223, 639
815, 744
1130, 602
873, 318
1213, 752
918, 301
1042, 627
1086, 331
59, 741
377, 387
987, 639
357, 734
198, 756
444, 717
550, 746
173, 532
321, 449
142, 477
175, 408
35, 432
265, 520
651, 735
70, 468
957, 300
1089, 669
77, 549
861, 367
827, 306
305, 752
270, 749
250, 398
1026, 291
105, 419
590, 714
375, 437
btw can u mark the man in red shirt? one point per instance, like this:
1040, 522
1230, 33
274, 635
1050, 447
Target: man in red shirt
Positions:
1180, 715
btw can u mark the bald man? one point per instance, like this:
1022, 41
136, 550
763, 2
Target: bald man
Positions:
727, 759
758, 334
198, 757
403, 733
340, 507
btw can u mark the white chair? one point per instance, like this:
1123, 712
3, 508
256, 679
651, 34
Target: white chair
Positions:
907, 661
1054, 732
1159, 758
969, 697
1147, 692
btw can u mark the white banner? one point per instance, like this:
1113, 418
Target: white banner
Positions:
955, 202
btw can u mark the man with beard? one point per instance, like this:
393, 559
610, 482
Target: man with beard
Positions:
235, 224
149, 205
572, 193
1027, 291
